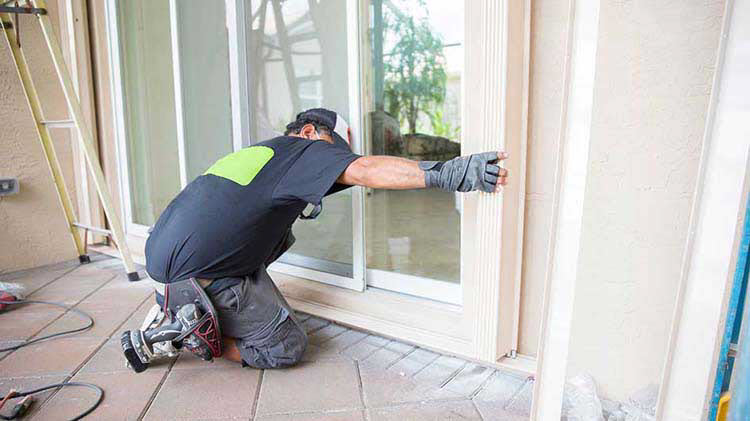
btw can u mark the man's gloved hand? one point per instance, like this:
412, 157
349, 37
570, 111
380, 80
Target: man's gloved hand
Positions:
466, 173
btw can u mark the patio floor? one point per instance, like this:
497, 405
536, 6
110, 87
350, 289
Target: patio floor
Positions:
346, 374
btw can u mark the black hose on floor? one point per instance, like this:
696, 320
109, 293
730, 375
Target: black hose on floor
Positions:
18, 412
84, 316
99, 390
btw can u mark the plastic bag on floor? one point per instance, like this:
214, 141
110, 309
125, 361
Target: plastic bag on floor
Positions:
641, 406
17, 290
580, 402
10, 292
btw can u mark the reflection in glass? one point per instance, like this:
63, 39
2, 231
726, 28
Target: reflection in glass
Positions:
204, 73
414, 97
298, 61
151, 131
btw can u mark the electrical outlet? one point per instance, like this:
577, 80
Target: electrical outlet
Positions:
9, 186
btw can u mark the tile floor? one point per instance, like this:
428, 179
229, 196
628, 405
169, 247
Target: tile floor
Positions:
346, 374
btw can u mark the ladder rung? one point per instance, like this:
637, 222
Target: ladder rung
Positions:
93, 229
58, 124
22, 10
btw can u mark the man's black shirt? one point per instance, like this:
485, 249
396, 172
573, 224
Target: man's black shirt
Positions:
228, 221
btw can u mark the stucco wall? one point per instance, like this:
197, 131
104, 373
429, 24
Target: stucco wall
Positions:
33, 230
654, 68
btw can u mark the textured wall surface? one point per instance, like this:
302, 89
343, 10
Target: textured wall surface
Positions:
32, 226
655, 64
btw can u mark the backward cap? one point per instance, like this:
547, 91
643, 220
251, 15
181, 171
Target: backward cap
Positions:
330, 119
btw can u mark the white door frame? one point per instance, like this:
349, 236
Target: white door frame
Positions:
174, 33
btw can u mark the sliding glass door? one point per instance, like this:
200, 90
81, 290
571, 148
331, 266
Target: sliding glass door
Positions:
401, 63
173, 98
299, 59
200, 57
392, 68
150, 129
413, 75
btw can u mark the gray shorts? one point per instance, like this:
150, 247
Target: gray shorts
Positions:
254, 312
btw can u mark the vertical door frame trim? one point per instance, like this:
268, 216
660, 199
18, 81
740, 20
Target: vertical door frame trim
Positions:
494, 101
177, 80
237, 27
567, 210
356, 123
118, 118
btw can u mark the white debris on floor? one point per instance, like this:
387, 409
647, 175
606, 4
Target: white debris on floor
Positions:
582, 403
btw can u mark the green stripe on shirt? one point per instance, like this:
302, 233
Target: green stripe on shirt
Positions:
242, 166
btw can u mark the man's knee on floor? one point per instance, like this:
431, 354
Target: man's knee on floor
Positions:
290, 350
286, 352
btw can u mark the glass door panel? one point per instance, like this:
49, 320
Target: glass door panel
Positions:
413, 105
298, 60
204, 85
149, 107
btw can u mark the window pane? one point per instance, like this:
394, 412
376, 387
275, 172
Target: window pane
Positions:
299, 61
204, 68
146, 57
414, 102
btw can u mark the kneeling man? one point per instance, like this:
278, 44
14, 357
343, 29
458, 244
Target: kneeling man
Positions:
230, 223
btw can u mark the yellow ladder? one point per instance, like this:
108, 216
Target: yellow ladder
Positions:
38, 9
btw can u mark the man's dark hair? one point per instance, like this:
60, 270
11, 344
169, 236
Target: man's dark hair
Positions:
297, 125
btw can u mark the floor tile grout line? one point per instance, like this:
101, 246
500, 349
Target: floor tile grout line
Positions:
156, 391
360, 386
91, 355
484, 384
394, 405
476, 408
311, 331
453, 375
60, 316
334, 336
67, 272
437, 356
300, 319
75, 305
314, 412
66, 265
402, 357
515, 394
371, 352
70, 270
254, 409
353, 343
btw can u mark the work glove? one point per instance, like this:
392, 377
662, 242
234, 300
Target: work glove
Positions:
466, 173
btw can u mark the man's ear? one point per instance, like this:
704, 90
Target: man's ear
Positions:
308, 132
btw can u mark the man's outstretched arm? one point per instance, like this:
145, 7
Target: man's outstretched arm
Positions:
465, 173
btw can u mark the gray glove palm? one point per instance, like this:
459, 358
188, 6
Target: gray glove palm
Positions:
464, 173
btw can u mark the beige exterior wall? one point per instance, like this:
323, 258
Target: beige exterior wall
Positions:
33, 230
654, 68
